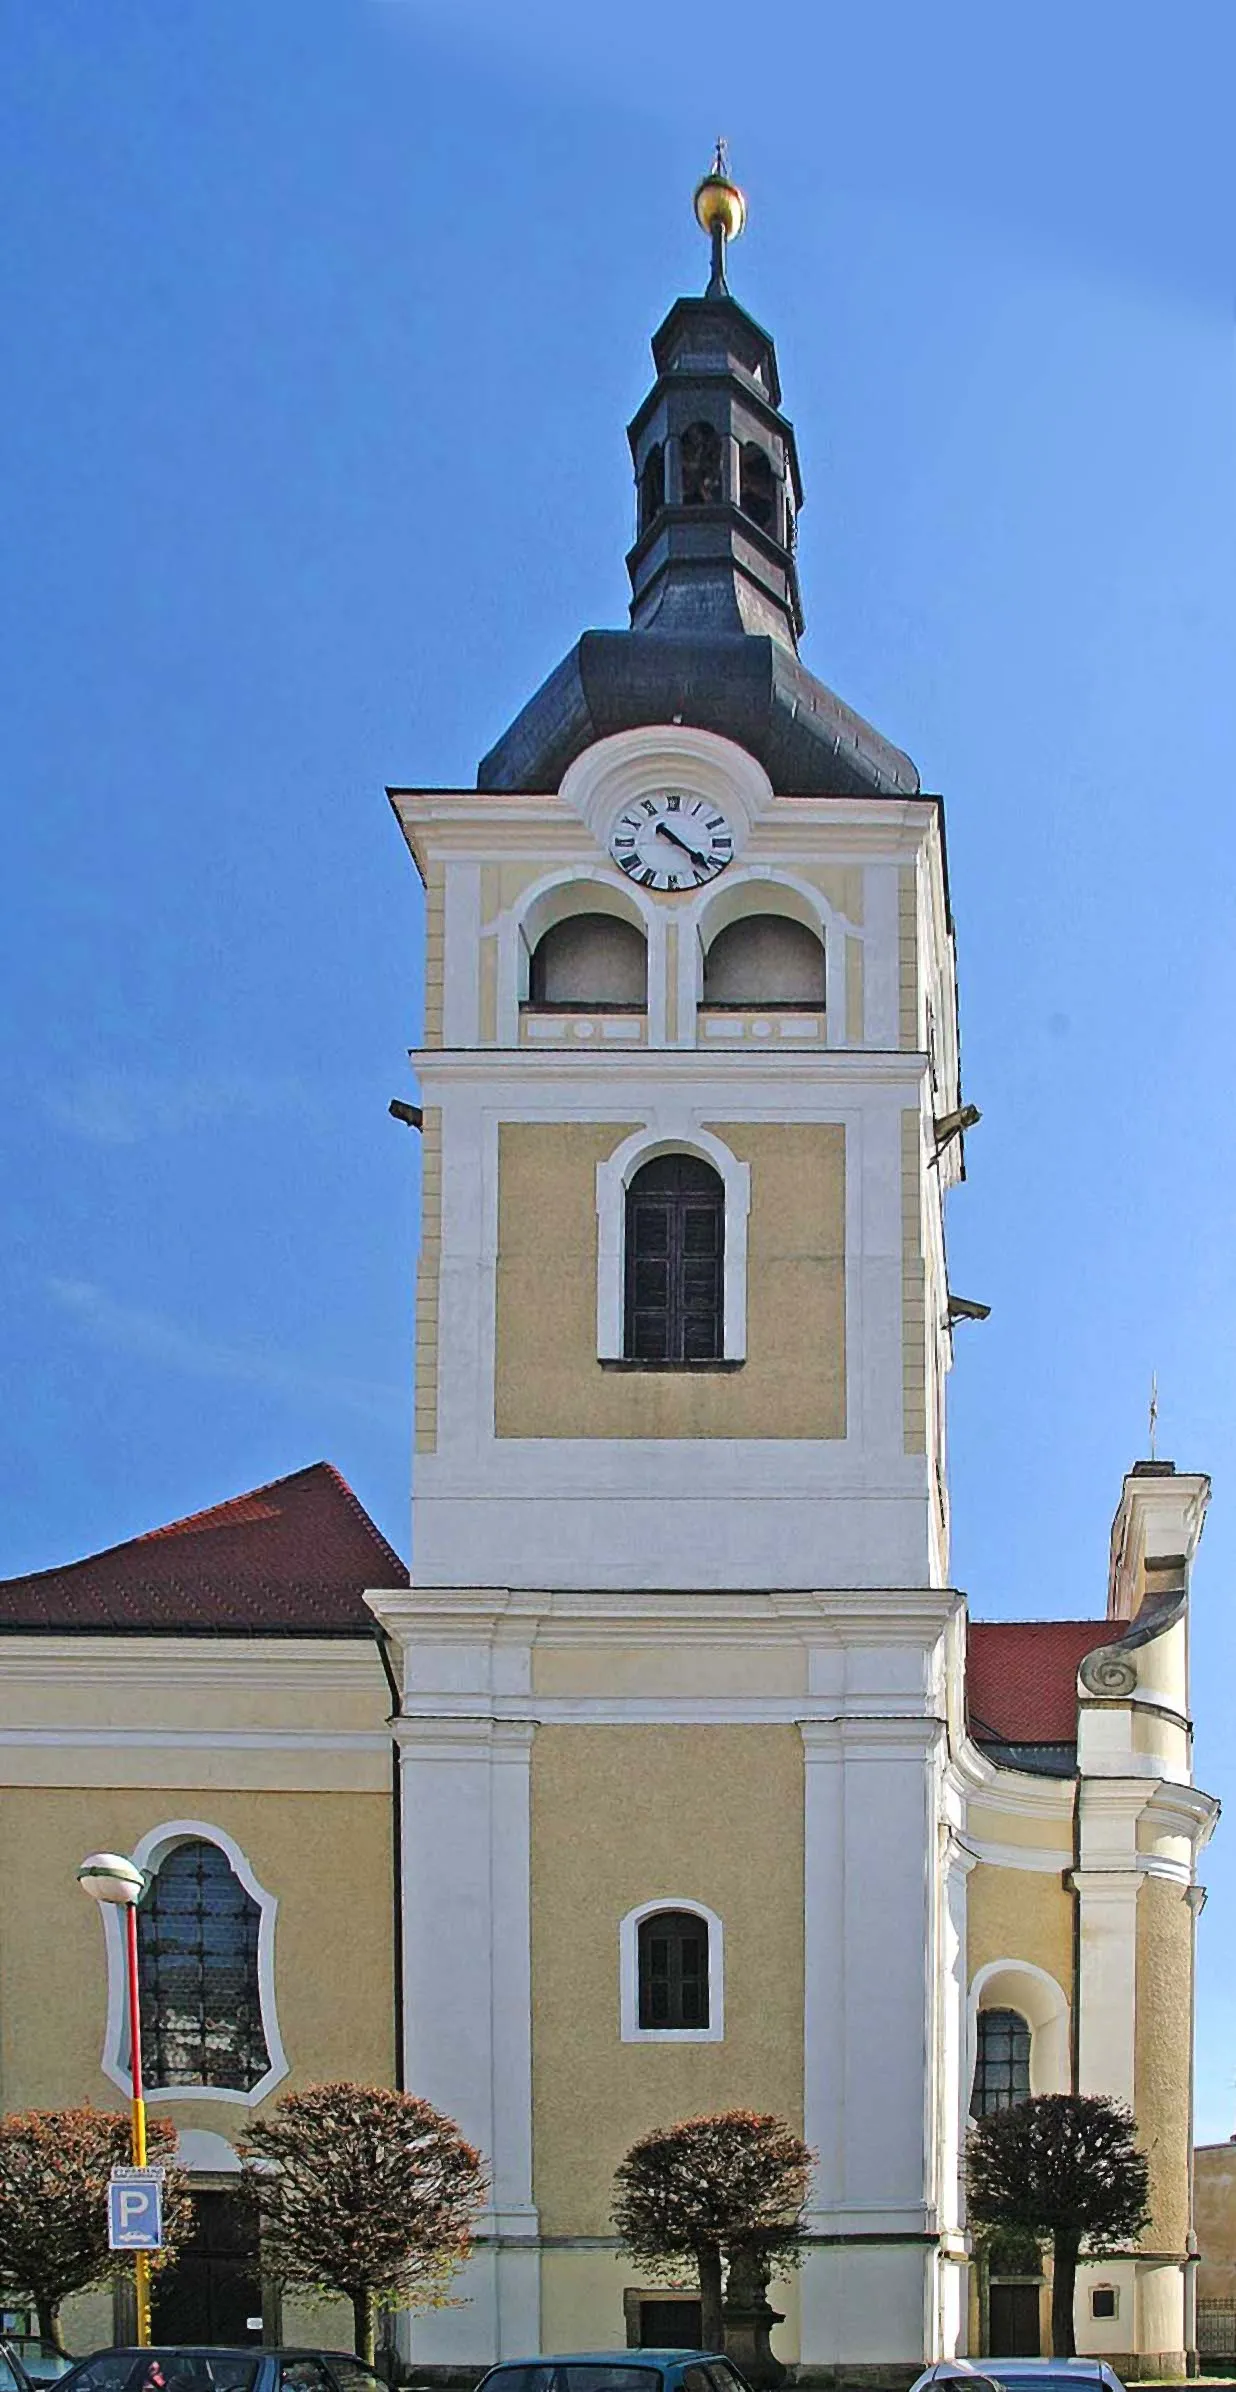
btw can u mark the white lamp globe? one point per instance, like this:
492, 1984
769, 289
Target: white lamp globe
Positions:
112, 1878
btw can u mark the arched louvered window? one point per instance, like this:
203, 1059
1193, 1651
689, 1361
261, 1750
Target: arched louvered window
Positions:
757, 485
673, 1970
651, 486
1002, 2062
701, 466
197, 1943
675, 1262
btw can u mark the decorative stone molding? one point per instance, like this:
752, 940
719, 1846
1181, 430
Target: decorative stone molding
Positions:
150, 1850
613, 772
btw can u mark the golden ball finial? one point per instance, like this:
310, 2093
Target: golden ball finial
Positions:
718, 200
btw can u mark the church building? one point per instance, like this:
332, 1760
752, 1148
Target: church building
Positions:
675, 1777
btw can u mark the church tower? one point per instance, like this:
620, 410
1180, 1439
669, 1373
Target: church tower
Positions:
675, 1655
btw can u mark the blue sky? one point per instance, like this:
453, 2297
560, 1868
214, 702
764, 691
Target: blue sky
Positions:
324, 320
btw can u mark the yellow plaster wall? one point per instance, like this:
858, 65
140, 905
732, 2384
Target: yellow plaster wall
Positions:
854, 1015
1214, 2216
435, 949
328, 1859
548, 1381
662, 1667
1163, 2056
1019, 1914
907, 919
622, 1816
428, 1275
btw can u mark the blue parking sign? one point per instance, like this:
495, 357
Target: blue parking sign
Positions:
135, 2215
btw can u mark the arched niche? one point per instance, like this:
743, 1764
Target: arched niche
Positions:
1023, 1986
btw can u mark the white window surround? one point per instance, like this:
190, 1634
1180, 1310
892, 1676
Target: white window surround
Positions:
764, 889
575, 889
1020, 1985
147, 1854
630, 2029
667, 1136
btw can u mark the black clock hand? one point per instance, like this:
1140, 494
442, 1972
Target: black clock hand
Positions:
696, 854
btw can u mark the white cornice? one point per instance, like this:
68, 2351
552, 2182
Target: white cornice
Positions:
279, 1664
842, 1068
849, 1616
1016, 1792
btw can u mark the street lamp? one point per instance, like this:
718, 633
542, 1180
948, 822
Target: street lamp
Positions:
109, 1877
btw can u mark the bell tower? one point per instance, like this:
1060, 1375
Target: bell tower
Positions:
680, 1619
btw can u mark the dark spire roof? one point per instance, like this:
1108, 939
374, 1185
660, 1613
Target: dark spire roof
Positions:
715, 606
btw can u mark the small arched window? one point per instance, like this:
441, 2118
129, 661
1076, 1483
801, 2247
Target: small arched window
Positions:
651, 486
757, 490
765, 959
701, 466
1002, 2062
673, 1970
591, 961
675, 1256
197, 1945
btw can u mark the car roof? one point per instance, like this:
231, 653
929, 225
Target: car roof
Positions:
610, 2358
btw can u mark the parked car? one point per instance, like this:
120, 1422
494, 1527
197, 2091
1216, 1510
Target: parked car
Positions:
617, 2371
1020, 2375
198, 2368
27, 2363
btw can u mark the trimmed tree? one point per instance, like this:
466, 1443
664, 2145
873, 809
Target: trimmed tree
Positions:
366, 2193
1063, 2168
55, 2166
708, 2190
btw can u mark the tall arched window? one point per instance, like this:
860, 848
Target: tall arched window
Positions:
197, 1942
673, 1970
701, 466
675, 1258
1002, 2062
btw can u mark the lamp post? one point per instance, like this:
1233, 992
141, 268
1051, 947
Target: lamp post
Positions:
109, 1877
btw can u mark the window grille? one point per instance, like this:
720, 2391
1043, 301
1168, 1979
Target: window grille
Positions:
675, 1262
673, 1970
1002, 2065
197, 1942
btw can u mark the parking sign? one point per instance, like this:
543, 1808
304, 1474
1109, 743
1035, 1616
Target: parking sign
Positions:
135, 2214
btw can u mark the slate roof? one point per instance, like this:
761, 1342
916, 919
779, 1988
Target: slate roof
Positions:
289, 1559
1021, 1677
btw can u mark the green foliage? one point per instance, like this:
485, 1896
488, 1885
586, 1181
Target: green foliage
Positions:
1064, 2167
55, 2166
1059, 2162
711, 2188
364, 2192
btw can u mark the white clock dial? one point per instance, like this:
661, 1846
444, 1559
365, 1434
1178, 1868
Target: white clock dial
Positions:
672, 840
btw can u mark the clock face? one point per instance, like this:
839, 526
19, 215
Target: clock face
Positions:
672, 840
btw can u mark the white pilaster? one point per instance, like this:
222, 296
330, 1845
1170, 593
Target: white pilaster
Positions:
870, 2072
467, 2005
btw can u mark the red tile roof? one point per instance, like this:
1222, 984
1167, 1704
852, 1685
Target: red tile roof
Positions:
291, 1559
1021, 1677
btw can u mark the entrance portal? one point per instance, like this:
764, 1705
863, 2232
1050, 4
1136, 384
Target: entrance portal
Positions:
213, 2291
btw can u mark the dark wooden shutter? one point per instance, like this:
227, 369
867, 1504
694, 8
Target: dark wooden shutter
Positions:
673, 1970
675, 1262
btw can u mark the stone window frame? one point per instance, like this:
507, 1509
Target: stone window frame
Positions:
630, 2030
147, 1853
